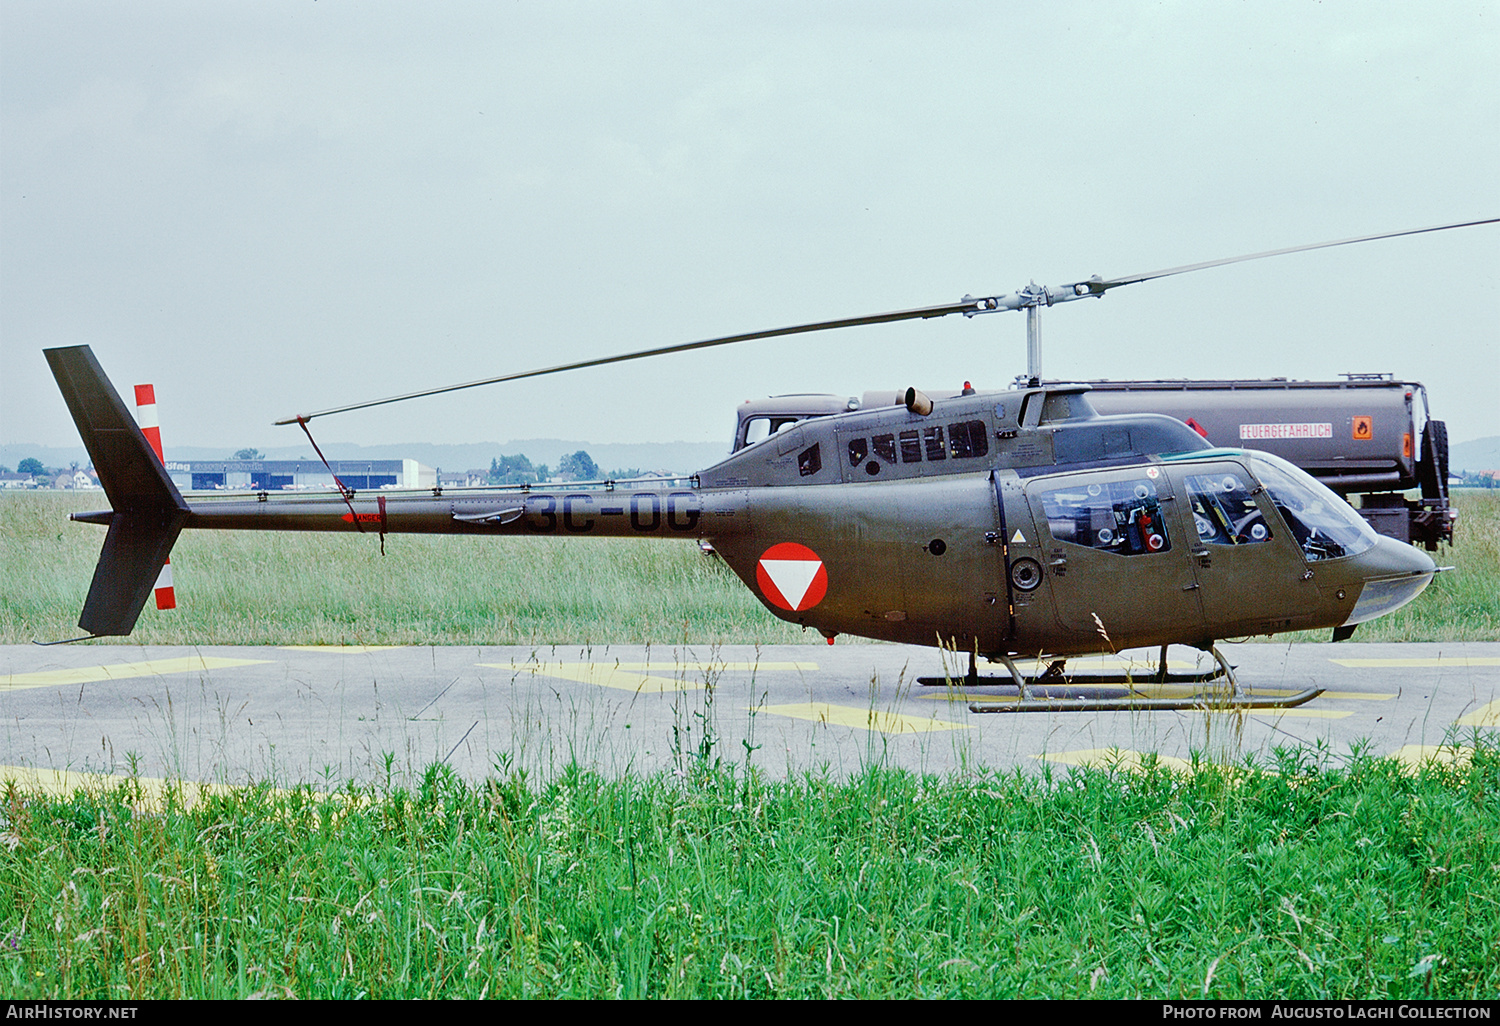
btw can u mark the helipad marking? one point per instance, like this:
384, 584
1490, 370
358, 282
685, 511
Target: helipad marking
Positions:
63, 783
1484, 716
120, 671
351, 649
860, 719
627, 676
1414, 756
1301, 714
1435, 661
1113, 758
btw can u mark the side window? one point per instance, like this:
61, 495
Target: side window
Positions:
1123, 517
968, 438
810, 460
859, 448
1224, 512
911, 447
885, 447
932, 441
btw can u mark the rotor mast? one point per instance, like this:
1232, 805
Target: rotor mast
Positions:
1031, 299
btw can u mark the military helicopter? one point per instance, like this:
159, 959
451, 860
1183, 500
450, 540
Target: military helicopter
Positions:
1006, 524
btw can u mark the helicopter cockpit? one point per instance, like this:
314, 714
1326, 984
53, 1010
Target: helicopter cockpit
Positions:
1323, 524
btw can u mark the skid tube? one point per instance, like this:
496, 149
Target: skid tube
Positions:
1073, 699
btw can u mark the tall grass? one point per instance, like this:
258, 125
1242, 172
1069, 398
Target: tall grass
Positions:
282, 588
1358, 882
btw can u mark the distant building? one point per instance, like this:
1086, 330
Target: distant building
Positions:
76, 480
17, 481
296, 475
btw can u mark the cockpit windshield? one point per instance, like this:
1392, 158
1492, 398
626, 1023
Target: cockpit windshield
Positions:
1323, 524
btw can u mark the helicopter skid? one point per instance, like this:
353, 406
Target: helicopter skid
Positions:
1088, 700
1116, 680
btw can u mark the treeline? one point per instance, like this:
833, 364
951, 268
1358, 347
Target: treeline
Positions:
575, 466
40, 474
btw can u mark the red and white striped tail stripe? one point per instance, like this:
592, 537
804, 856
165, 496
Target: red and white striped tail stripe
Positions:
145, 416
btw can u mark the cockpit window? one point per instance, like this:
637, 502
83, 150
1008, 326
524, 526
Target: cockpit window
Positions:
1224, 513
1324, 525
1123, 517
758, 429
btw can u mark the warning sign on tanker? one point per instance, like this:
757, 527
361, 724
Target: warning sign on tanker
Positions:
1253, 432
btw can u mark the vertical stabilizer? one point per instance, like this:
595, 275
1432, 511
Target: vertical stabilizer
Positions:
147, 509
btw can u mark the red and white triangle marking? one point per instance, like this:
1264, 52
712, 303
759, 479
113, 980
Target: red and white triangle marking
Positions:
792, 576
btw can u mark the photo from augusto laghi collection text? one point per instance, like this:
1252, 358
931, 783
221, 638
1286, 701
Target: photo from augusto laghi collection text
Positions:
1329, 1010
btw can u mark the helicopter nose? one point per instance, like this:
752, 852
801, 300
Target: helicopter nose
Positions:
1393, 574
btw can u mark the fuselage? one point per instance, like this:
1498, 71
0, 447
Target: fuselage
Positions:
1007, 522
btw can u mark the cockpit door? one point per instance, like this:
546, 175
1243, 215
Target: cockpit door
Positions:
1252, 575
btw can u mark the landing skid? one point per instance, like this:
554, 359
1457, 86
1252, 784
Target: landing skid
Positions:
1056, 700
1055, 691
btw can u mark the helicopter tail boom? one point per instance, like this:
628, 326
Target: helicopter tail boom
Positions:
148, 512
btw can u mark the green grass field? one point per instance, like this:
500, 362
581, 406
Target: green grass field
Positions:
1301, 882
246, 588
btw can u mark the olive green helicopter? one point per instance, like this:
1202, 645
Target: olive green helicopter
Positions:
1015, 525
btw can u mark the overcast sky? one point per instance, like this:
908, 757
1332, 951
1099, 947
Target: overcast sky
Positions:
271, 207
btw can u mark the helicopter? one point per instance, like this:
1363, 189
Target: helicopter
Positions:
1010, 524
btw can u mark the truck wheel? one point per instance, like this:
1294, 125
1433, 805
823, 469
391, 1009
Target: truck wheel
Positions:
1433, 471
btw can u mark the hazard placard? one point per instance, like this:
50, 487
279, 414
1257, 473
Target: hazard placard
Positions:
1363, 429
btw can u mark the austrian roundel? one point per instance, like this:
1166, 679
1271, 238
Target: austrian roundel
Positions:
791, 576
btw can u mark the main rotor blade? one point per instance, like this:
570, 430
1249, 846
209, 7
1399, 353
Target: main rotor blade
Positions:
1098, 287
1029, 297
963, 306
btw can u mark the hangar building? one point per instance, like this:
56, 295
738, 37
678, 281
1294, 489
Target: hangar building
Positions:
296, 475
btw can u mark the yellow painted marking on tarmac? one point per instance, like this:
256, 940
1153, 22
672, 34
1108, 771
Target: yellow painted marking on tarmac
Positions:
1113, 758
606, 676
627, 676
120, 671
1469, 661
1302, 714
1360, 696
1484, 716
860, 719
1412, 757
351, 649
62, 783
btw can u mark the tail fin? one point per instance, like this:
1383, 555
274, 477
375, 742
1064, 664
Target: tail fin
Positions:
148, 510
